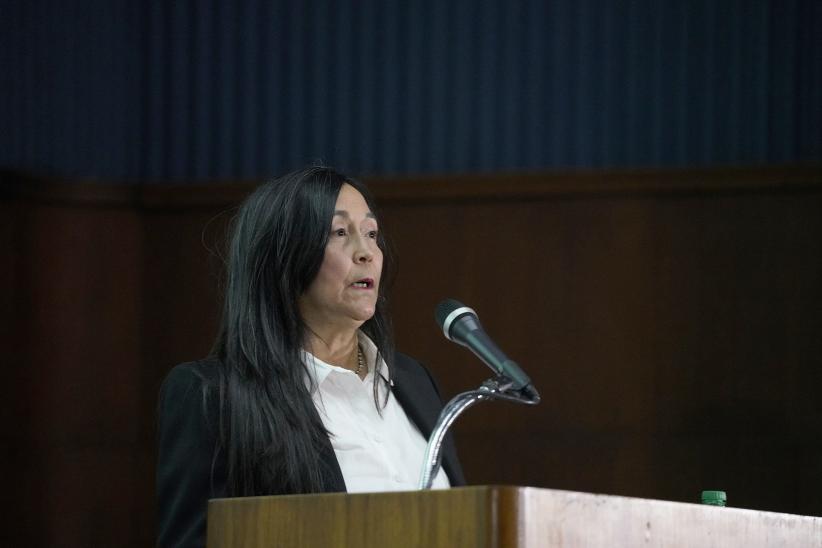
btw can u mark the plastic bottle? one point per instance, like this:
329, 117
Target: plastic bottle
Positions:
714, 498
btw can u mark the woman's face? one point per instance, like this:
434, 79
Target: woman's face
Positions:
344, 293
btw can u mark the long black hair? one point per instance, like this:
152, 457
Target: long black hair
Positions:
270, 431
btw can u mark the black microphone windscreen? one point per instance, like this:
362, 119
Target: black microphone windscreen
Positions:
444, 309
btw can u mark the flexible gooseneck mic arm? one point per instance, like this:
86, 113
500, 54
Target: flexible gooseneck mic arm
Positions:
498, 388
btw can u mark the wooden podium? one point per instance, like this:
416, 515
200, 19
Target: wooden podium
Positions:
499, 517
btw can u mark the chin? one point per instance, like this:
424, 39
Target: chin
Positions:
365, 314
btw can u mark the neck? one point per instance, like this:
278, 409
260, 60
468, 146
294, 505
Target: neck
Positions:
336, 347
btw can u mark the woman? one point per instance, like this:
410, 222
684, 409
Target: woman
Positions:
303, 392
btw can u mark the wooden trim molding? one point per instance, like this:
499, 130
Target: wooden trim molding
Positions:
428, 188
592, 182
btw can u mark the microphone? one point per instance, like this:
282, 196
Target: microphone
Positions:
461, 325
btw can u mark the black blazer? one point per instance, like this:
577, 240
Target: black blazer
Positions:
190, 470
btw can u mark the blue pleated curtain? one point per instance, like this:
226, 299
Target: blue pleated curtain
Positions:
200, 90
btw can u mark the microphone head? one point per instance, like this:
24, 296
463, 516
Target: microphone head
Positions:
448, 311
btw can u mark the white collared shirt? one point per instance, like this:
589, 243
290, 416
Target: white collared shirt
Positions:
376, 453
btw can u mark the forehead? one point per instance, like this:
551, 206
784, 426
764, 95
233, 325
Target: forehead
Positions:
351, 202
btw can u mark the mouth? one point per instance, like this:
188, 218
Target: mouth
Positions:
364, 283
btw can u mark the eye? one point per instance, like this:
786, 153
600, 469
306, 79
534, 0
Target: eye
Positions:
373, 234
339, 232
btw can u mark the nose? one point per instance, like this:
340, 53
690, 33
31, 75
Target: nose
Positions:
363, 255
362, 252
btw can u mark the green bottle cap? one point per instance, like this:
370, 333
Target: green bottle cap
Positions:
714, 498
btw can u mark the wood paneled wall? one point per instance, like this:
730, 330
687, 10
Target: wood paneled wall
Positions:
672, 321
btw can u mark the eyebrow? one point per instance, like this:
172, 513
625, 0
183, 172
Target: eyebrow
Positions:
344, 213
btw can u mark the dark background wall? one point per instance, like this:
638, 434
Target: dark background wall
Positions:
670, 319
561, 161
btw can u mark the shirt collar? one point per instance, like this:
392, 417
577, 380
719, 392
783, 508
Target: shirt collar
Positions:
321, 370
